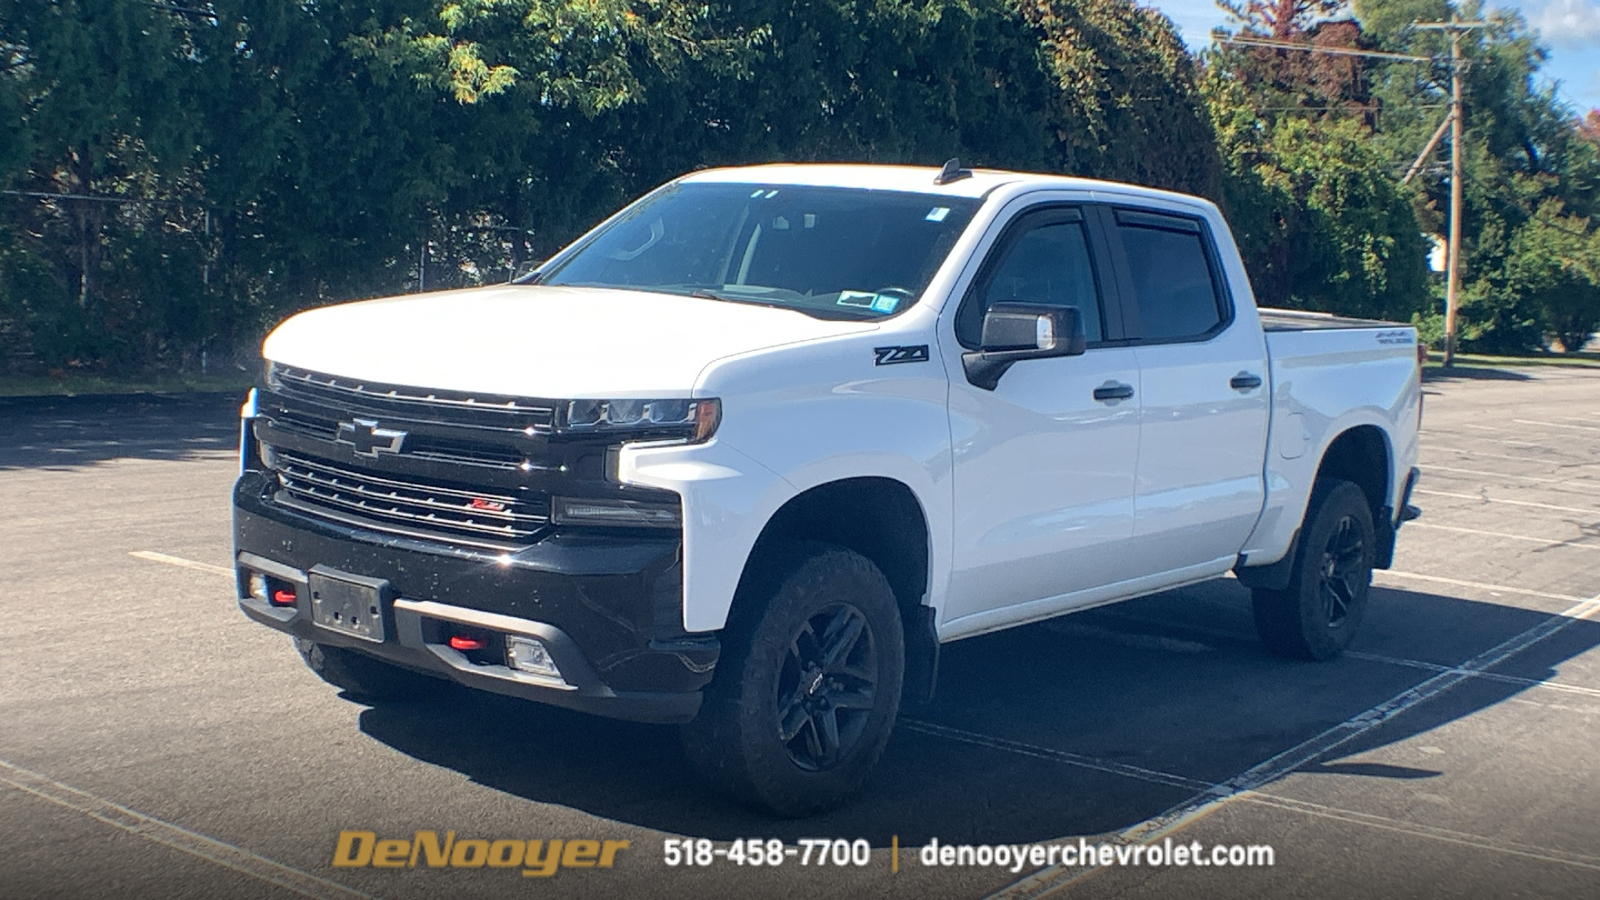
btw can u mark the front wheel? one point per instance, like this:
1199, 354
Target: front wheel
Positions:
1318, 614
808, 688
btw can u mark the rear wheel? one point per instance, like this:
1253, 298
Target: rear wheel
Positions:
808, 688
1316, 617
365, 677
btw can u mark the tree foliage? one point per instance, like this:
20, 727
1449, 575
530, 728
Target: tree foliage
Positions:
1320, 216
248, 159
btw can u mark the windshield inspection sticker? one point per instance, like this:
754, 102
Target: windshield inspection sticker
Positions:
937, 214
885, 303
889, 356
862, 299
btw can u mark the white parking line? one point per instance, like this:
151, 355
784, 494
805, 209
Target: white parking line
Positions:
1448, 835
1496, 588
1566, 483
1260, 798
1241, 638
1066, 757
1556, 424
1506, 478
1532, 459
1548, 542
1487, 676
1482, 499
177, 837
1050, 879
179, 561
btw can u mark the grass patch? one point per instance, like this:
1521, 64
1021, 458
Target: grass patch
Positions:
1436, 360
72, 384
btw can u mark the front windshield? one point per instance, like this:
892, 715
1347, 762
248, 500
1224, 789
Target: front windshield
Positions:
825, 251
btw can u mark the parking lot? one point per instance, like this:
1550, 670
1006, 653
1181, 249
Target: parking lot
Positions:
155, 743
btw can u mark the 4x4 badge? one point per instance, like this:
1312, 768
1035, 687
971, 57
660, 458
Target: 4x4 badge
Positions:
369, 439
888, 356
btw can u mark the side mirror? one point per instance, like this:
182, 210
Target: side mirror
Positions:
1013, 332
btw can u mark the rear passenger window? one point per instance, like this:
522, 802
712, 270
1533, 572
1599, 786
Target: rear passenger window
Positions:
1048, 263
1174, 287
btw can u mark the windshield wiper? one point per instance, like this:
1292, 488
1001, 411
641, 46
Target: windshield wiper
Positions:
708, 294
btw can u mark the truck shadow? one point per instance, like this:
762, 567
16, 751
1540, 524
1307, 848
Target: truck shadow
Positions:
1037, 733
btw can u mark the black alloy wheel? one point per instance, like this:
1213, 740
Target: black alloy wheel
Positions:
1343, 572
806, 692
826, 687
1317, 613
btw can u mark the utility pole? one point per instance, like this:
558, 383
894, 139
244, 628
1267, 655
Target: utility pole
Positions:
1453, 266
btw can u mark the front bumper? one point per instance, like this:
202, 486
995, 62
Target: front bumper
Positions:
608, 608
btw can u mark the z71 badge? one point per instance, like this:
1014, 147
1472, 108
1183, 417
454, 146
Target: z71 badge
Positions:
888, 356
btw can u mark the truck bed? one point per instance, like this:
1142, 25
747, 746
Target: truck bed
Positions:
1301, 320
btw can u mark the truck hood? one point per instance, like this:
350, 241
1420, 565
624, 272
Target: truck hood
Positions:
538, 341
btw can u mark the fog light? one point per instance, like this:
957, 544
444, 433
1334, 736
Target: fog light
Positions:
528, 655
258, 586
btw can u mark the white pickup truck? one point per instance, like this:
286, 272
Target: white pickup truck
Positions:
743, 456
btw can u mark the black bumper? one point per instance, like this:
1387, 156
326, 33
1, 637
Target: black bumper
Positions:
608, 608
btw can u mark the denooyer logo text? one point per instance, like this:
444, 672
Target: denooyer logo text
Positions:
536, 858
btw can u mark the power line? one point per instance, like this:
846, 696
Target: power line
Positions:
98, 198
1313, 48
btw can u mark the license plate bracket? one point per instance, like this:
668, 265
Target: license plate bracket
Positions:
351, 605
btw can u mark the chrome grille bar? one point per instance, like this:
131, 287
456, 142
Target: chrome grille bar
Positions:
539, 415
429, 506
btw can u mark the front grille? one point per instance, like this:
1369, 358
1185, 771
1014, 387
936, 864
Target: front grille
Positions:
495, 412
405, 504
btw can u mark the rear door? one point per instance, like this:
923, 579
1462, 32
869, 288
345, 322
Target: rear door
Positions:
1043, 480
1204, 410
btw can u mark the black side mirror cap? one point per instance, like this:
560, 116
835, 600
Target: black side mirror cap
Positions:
1013, 332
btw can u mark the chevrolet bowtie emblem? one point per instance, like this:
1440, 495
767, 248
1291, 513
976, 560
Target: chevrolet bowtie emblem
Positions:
369, 439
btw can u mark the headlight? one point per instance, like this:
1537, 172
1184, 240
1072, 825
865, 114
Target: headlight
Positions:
696, 419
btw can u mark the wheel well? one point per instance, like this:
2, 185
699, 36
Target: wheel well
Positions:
1361, 455
880, 519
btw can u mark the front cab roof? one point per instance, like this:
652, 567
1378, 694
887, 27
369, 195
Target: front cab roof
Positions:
920, 179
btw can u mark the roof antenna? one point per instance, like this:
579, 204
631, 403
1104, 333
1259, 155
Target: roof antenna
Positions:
952, 171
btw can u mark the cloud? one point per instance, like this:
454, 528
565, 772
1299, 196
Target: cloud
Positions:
1569, 23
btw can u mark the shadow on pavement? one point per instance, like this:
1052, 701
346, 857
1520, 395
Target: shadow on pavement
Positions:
63, 433
1472, 373
1171, 683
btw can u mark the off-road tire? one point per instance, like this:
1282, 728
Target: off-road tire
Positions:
365, 677
1318, 614
775, 676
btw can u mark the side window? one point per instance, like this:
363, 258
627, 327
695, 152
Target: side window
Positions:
1174, 287
1047, 262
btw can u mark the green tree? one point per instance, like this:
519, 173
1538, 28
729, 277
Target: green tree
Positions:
1523, 149
94, 92
1553, 271
1320, 217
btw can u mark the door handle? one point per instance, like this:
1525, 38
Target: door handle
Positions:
1113, 390
1244, 381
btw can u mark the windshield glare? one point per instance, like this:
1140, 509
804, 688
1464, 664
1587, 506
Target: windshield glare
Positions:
828, 252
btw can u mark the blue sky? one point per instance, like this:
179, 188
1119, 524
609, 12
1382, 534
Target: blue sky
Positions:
1571, 30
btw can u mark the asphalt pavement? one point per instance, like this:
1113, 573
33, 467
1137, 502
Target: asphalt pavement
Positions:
155, 743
